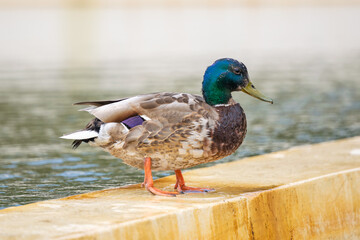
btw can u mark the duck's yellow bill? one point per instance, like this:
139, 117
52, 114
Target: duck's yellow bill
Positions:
252, 91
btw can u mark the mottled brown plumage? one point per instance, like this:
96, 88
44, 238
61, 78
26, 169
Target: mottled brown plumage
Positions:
180, 130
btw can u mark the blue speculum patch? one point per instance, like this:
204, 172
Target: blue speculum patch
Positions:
133, 121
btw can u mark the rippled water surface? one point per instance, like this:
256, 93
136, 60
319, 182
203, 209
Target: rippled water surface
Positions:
317, 98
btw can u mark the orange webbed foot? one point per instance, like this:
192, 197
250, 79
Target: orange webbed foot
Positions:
149, 184
159, 192
182, 188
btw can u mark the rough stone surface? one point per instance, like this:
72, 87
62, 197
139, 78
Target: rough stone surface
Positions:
307, 192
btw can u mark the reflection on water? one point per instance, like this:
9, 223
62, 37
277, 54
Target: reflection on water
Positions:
317, 98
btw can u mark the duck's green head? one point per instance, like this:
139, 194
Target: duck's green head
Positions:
225, 76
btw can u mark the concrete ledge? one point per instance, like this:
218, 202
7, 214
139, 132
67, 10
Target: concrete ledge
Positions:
308, 192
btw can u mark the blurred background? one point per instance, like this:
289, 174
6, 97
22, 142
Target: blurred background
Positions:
304, 55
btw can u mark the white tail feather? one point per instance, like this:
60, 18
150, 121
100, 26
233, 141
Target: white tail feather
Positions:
81, 135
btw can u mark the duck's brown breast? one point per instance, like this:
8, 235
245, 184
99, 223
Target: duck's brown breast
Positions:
230, 131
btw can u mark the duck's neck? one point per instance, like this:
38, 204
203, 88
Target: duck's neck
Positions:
213, 92
229, 103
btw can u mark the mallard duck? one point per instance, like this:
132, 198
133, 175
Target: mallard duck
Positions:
173, 131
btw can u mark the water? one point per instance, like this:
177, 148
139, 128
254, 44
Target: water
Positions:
316, 94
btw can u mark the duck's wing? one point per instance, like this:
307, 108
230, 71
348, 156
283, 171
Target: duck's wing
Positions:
114, 110
165, 107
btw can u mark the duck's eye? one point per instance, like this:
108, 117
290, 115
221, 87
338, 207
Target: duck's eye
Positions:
237, 70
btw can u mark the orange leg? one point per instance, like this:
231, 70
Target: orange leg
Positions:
149, 184
181, 188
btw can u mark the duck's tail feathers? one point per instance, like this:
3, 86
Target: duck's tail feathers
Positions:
88, 134
81, 136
